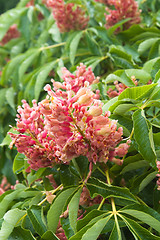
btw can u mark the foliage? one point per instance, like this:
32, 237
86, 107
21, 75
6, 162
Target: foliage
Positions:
81, 198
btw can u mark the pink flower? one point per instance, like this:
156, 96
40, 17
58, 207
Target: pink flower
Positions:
32, 139
158, 175
11, 33
119, 88
67, 16
123, 9
67, 124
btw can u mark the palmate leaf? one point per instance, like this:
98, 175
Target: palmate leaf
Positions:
91, 217
114, 234
11, 218
143, 137
138, 230
57, 208
90, 220
94, 231
97, 187
150, 214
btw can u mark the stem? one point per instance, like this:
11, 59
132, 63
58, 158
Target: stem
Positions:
131, 135
114, 211
39, 204
100, 205
52, 46
53, 191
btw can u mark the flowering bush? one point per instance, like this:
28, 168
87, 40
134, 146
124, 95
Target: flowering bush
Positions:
81, 156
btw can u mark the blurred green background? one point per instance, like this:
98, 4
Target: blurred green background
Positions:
7, 4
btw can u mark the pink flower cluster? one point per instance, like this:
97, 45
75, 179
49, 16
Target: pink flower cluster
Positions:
11, 33
32, 139
120, 87
68, 16
123, 9
67, 124
158, 175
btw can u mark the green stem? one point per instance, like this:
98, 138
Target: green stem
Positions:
114, 211
53, 191
52, 46
131, 135
39, 204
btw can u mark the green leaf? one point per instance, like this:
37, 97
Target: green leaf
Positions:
149, 64
91, 217
112, 29
66, 176
138, 230
97, 187
8, 18
109, 103
32, 54
144, 217
94, 231
11, 218
18, 193
143, 138
6, 201
92, 45
33, 176
154, 51
7, 140
57, 208
2, 96
123, 108
18, 164
114, 233
145, 45
10, 97
137, 92
147, 180
49, 236
21, 234
10, 68
35, 214
73, 209
22, 3
41, 77
140, 74
73, 46
121, 76
134, 166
